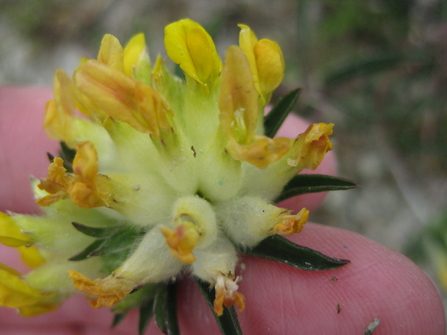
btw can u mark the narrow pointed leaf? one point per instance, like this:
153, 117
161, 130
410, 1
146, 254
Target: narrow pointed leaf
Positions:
67, 154
146, 312
138, 298
86, 253
111, 248
95, 231
228, 322
165, 310
50, 157
279, 112
118, 317
279, 249
313, 183
124, 239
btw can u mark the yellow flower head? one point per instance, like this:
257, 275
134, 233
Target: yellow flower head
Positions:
164, 176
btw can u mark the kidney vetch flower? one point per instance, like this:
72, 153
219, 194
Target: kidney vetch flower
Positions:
161, 176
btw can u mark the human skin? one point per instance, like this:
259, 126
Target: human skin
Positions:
378, 283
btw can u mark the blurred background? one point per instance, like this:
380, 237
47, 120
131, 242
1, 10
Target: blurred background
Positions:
375, 68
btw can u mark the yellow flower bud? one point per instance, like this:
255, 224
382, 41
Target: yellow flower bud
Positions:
266, 62
270, 66
238, 105
136, 59
111, 52
123, 98
190, 46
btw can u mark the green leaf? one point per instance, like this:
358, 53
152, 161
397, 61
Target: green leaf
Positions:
312, 183
95, 231
67, 154
50, 157
113, 240
146, 312
123, 239
279, 112
279, 249
165, 309
228, 322
118, 317
84, 254
138, 298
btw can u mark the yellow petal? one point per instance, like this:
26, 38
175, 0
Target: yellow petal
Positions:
37, 309
102, 292
88, 189
270, 65
56, 184
136, 59
31, 256
311, 146
182, 241
85, 163
287, 224
247, 42
123, 98
51, 198
106, 88
153, 111
10, 270
59, 115
15, 293
10, 233
238, 101
190, 46
266, 62
111, 52
261, 152
238, 104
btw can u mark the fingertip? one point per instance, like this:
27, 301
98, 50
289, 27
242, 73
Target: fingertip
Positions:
378, 283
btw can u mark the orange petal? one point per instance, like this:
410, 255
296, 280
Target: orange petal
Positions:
182, 241
310, 147
262, 152
287, 224
102, 292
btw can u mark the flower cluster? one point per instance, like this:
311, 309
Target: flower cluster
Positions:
169, 175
